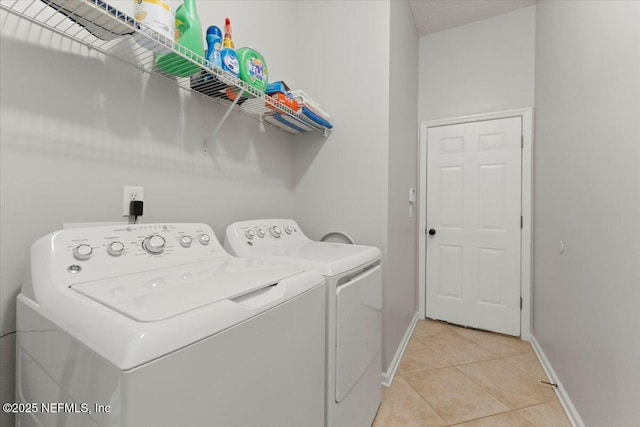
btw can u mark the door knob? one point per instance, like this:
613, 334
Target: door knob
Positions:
432, 232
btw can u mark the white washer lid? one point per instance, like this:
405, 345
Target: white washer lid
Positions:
163, 293
329, 259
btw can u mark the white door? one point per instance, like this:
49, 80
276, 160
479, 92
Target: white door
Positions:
473, 224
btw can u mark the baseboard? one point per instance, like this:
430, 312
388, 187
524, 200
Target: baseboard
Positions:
561, 392
387, 377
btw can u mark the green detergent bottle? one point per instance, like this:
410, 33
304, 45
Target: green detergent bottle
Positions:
189, 35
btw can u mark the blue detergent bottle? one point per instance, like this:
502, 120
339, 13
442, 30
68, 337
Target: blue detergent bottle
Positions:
214, 44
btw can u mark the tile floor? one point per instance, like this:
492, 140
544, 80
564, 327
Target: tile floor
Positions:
452, 376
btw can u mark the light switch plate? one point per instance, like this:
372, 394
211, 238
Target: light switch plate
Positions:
412, 195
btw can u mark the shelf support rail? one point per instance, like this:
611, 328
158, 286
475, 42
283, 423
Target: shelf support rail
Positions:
221, 122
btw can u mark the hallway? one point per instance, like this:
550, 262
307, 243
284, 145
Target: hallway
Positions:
450, 375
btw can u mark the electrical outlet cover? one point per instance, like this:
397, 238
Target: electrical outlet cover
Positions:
130, 193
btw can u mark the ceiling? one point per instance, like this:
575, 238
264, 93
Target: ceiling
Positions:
432, 16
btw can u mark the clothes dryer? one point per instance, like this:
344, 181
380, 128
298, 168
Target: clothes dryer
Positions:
354, 307
156, 325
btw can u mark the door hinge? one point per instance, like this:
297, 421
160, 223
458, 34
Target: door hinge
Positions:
521, 141
521, 221
520, 303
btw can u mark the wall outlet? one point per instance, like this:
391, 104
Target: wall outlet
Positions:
130, 193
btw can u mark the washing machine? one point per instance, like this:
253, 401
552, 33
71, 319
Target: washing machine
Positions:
157, 325
354, 307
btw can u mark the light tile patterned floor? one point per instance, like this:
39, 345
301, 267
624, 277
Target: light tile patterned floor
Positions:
455, 376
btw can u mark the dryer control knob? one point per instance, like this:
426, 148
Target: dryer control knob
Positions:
186, 241
115, 248
275, 231
250, 234
154, 244
204, 239
261, 232
288, 229
82, 252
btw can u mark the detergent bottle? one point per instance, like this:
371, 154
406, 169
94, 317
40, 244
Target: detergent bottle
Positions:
228, 55
214, 41
189, 36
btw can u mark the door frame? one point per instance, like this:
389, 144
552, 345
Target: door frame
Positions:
526, 115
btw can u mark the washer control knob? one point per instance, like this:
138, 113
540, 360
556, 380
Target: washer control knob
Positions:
186, 241
261, 232
82, 252
288, 229
250, 234
154, 244
204, 239
115, 248
275, 231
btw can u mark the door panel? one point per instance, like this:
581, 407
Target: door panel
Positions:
451, 186
450, 266
473, 204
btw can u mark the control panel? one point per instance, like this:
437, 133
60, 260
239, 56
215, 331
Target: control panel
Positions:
84, 254
264, 233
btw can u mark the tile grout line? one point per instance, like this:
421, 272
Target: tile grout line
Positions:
465, 375
468, 341
425, 401
456, 366
499, 400
499, 413
483, 388
518, 367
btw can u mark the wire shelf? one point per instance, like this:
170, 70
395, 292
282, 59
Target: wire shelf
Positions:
102, 27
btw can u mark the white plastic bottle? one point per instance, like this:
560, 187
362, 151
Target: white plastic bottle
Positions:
158, 23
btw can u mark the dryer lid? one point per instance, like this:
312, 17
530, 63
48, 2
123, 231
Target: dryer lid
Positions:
329, 259
160, 294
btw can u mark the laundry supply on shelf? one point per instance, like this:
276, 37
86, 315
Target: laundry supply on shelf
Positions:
158, 23
304, 99
228, 55
214, 45
253, 68
188, 35
287, 123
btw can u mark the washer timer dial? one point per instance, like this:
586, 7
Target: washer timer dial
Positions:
154, 244
275, 231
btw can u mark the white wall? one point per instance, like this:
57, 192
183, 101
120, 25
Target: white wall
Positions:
399, 295
76, 127
480, 67
587, 194
343, 62
357, 180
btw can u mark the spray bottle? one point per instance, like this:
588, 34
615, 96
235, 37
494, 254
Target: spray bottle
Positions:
228, 55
